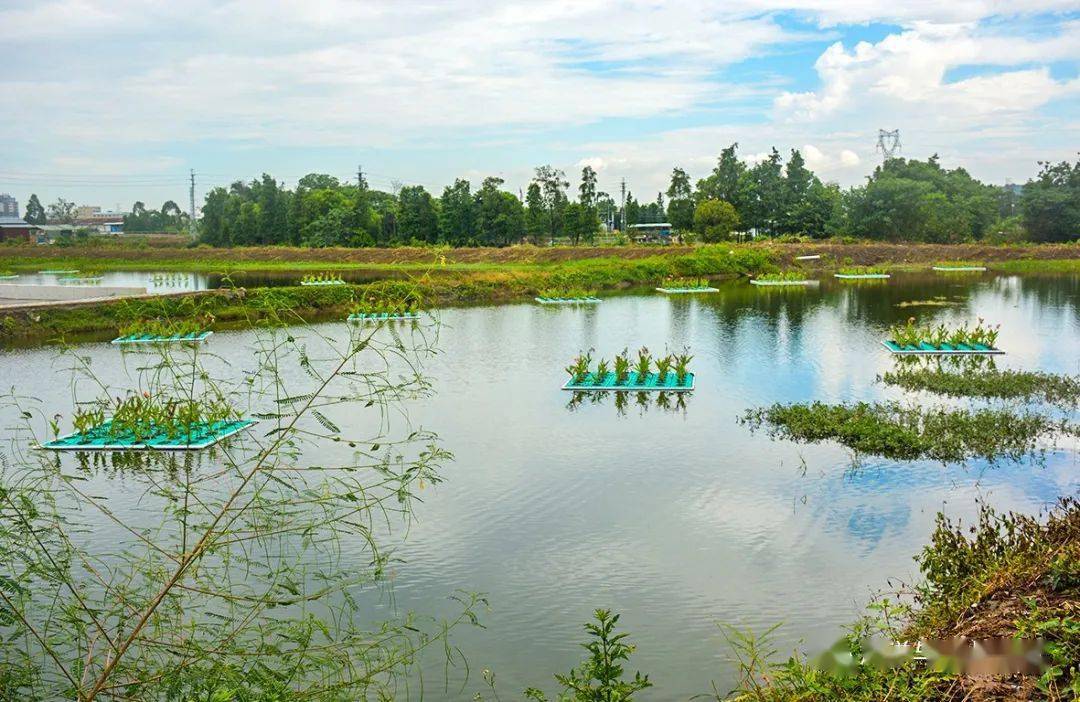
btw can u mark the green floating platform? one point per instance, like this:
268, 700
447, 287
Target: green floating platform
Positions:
684, 291
959, 269
58, 272
87, 279
368, 317
862, 276
201, 435
567, 300
925, 348
776, 283
8, 277
322, 282
158, 339
651, 383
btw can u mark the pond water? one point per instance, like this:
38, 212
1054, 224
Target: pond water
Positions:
177, 281
678, 518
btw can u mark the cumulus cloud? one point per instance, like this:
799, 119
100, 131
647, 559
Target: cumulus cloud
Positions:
529, 78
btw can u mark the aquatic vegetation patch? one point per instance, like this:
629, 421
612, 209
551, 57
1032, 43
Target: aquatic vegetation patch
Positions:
959, 266
672, 373
157, 330
1052, 388
675, 286
322, 279
899, 432
383, 310
567, 296
862, 273
8, 275
783, 278
920, 338
936, 301
140, 421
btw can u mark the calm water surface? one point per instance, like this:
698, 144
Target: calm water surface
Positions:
679, 518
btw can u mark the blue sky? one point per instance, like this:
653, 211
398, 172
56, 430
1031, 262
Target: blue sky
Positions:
109, 102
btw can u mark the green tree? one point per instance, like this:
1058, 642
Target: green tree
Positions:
764, 186
535, 216
632, 210
500, 215
715, 220
35, 213
62, 211
1050, 204
418, 215
456, 213
553, 185
727, 181
680, 209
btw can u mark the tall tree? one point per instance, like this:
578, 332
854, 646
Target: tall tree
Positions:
726, 182
553, 185
35, 213
714, 220
62, 211
418, 216
535, 216
1051, 203
680, 209
456, 213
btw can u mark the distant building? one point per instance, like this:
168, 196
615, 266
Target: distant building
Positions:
94, 216
656, 233
9, 206
17, 229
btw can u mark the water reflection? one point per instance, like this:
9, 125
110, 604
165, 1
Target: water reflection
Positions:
641, 402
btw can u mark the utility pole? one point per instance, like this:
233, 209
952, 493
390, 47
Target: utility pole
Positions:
191, 206
888, 143
622, 219
360, 178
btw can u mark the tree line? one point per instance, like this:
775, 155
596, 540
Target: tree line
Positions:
902, 200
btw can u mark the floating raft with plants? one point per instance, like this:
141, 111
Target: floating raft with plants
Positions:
912, 339
767, 283
926, 348
72, 280
959, 269
191, 337
862, 276
684, 291
672, 374
652, 383
12, 276
323, 282
200, 435
369, 317
587, 300
59, 272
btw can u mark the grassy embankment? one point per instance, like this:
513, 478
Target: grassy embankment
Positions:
435, 286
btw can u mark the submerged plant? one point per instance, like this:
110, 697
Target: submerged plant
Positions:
892, 430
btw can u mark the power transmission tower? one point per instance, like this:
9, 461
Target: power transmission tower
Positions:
888, 143
360, 183
191, 206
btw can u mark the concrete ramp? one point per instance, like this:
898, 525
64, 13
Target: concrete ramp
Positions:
14, 294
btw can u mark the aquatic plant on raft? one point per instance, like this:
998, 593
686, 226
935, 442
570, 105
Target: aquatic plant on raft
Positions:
164, 328
141, 416
912, 335
322, 279
782, 277
672, 372
685, 284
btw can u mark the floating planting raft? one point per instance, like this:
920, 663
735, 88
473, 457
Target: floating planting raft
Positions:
593, 382
192, 337
82, 279
322, 282
959, 269
926, 348
9, 277
861, 276
59, 272
368, 317
782, 282
588, 300
200, 435
683, 291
